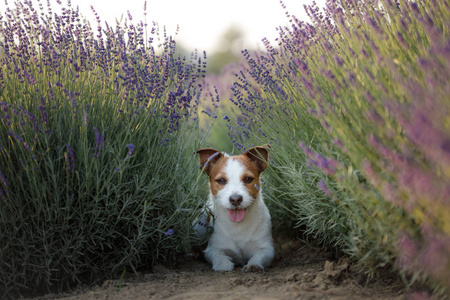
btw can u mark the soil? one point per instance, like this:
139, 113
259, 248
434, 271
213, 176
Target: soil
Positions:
298, 272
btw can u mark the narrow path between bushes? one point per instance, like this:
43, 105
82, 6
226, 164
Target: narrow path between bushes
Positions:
298, 273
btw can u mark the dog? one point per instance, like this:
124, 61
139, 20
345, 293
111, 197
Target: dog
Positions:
241, 221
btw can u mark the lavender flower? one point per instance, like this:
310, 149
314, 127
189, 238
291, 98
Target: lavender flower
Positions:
324, 188
70, 158
169, 232
211, 158
328, 165
42, 108
99, 140
206, 112
33, 119
19, 139
131, 148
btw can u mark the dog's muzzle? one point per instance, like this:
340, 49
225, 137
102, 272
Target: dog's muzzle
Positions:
235, 199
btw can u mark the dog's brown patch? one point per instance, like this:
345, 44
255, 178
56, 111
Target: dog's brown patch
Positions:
209, 159
251, 170
259, 156
218, 173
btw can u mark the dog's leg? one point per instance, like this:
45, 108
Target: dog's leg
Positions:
218, 259
260, 260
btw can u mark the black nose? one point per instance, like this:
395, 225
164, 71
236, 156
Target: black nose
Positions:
235, 199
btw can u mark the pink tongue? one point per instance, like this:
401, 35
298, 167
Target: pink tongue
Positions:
236, 215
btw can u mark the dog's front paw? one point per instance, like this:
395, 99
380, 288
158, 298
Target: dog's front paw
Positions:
253, 268
224, 265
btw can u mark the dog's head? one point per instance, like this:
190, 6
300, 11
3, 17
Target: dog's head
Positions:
234, 180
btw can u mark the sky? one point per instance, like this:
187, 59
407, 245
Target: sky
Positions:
201, 22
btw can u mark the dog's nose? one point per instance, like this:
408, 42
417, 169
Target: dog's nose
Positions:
235, 199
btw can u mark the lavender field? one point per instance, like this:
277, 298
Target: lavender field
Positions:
98, 123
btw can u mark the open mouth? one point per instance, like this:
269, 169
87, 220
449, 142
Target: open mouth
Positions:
236, 215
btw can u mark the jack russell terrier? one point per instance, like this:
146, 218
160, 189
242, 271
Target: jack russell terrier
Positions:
242, 228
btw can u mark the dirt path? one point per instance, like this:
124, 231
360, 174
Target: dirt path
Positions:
296, 274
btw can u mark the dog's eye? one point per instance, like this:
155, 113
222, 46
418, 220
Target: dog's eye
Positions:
248, 180
221, 181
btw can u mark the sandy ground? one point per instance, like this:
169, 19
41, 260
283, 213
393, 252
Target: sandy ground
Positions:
298, 272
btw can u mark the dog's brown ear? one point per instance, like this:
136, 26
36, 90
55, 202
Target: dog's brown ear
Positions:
208, 159
259, 156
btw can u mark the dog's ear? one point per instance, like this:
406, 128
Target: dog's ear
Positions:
208, 159
259, 156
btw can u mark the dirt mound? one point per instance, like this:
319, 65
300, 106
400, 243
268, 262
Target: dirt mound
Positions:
298, 272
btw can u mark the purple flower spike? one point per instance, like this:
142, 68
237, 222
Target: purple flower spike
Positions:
258, 188
131, 148
211, 158
70, 158
169, 232
324, 188
99, 139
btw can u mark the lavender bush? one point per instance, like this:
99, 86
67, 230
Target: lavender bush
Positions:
97, 129
356, 107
